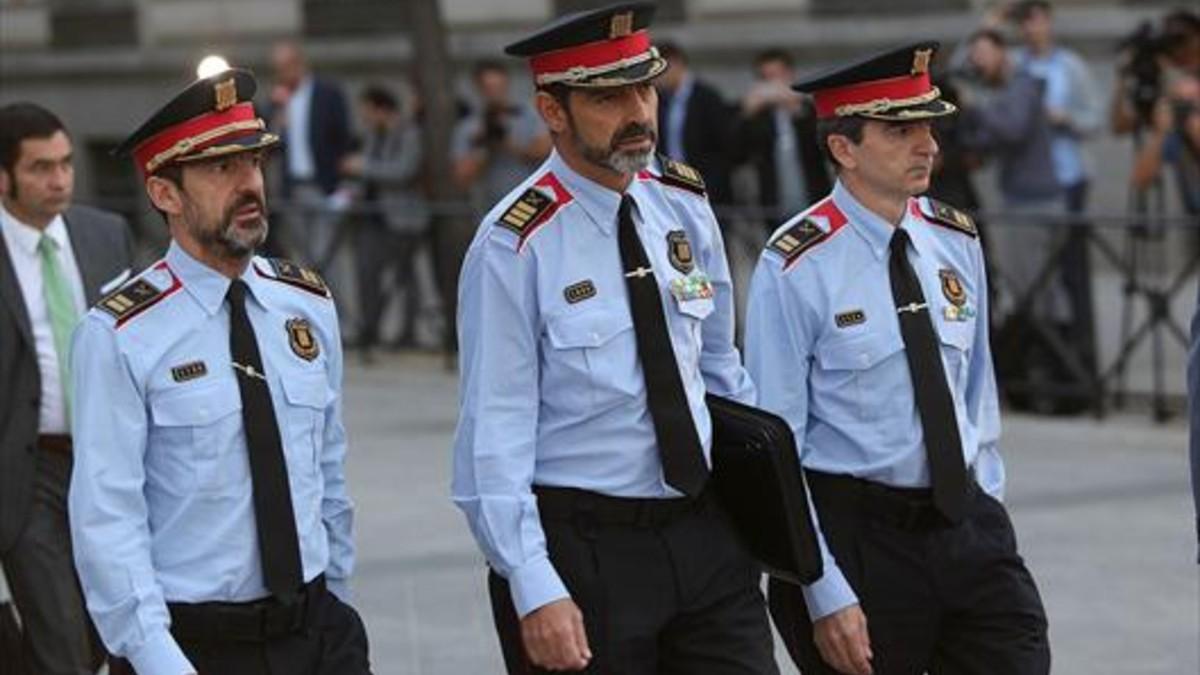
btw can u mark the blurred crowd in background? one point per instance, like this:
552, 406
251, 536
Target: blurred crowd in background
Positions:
351, 194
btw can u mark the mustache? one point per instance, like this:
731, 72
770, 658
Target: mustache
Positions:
246, 200
633, 131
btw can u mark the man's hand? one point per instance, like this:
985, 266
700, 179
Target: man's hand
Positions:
554, 636
842, 640
352, 165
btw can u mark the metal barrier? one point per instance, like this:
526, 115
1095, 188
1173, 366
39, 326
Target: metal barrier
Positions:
1100, 384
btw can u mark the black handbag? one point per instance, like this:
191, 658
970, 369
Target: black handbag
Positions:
756, 478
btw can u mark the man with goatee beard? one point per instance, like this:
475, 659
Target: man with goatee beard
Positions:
209, 513
596, 312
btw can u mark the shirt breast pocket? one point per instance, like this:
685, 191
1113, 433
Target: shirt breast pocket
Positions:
194, 435
864, 376
592, 360
694, 313
303, 426
956, 340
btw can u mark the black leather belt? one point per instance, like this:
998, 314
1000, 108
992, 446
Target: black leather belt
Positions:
903, 508
257, 621
556, 503
60, 443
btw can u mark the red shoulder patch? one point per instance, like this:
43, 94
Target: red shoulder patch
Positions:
805, 234
535, 207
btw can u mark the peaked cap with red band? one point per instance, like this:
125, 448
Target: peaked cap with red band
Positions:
893, 85
606, 47
214, 116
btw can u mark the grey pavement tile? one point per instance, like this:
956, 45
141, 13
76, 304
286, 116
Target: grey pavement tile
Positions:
1102, 511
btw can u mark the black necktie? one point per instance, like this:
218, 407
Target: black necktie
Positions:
935, 405
277, 541
674, 428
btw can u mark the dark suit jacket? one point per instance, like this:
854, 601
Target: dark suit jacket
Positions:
708, 136
103, 251
757, 145
328, 133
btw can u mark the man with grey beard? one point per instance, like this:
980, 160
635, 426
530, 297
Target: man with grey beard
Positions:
209, 513
596, 312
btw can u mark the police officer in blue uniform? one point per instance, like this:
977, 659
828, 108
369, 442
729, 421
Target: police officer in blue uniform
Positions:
596, 312
210, 518
867, 331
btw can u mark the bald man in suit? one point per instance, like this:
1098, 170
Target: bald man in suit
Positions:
56, 260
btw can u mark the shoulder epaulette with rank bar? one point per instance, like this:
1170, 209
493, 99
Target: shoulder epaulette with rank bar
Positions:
680, 175
797, 239
534, 208
130, 299
299, 276
526, 212
137, 296
942, 213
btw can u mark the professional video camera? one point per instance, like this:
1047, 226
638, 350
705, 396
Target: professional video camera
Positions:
1145, 46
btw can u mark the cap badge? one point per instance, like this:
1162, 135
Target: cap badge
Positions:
620, 25
226, 94
921, 61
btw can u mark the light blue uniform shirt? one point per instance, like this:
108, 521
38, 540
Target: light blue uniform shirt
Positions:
552, 391
161, 499
846, 391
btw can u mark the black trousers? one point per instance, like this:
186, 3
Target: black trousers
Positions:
329, 640
376, 250
938, 599
58, 635
667, 591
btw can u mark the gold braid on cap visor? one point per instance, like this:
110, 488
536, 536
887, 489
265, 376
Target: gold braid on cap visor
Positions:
581, 73
184, 146
884, 104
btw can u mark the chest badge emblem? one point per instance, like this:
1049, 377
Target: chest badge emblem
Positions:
302, 340
952, 287
679, 250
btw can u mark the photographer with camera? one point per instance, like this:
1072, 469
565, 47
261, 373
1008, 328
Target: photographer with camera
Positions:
1159, 100
500, 142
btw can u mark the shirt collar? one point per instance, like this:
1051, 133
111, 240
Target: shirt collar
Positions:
27, 236
598, 202
876, 231
207, 285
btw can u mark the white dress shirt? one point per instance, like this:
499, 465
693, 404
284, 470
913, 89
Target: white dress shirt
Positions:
300, 163
22, 242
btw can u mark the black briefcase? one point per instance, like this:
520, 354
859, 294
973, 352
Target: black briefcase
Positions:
12, 653
757, 480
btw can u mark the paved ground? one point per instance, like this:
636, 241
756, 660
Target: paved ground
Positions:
1102, 511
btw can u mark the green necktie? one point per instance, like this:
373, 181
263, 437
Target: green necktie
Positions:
60, 307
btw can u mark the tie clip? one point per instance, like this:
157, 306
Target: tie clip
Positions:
248, 371
913, 307
639, 272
